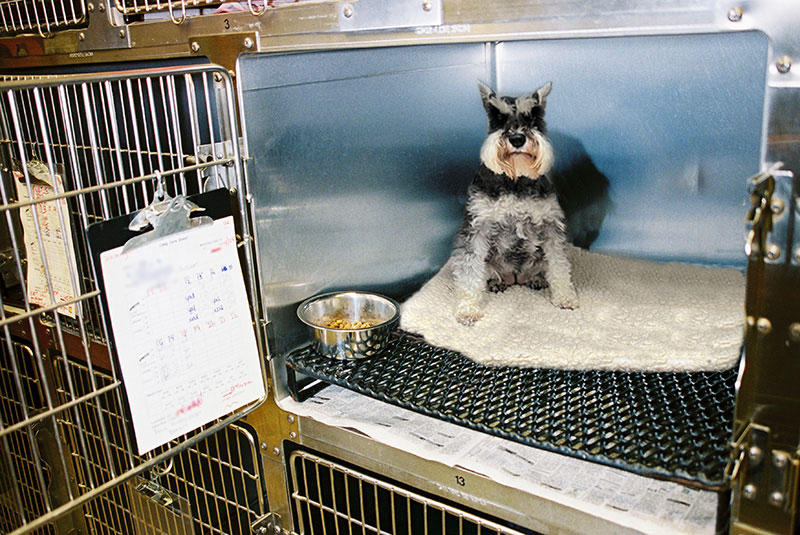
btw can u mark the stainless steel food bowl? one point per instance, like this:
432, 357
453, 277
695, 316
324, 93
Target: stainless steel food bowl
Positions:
382, 313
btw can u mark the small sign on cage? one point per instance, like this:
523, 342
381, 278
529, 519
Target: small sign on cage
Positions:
51, 267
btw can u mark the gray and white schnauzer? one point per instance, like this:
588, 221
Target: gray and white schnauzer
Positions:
514, 230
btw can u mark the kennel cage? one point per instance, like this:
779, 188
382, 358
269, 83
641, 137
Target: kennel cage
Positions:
708, 88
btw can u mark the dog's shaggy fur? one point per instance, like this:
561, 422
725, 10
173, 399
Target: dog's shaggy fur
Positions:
513, 231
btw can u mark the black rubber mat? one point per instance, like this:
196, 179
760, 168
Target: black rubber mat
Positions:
674, 426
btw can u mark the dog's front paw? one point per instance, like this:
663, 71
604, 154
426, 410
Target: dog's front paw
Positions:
566, 299
468, 314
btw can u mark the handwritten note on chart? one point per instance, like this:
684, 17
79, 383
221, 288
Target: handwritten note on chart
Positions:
48, 236
183, 331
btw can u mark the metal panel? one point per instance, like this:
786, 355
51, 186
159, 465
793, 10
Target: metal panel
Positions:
103, 142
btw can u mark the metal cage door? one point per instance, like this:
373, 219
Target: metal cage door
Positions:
75, 150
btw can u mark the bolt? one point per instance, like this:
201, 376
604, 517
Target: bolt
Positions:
248, 43
749, 491
90, 7
292, 435
427, 5
347, 11
763, 325
755, 454
195, 46
773, 252
784, 64
735, 14
777, 498
122, 34
276, 450
264, 446
794, 331
101, 7
81, 36
290, 418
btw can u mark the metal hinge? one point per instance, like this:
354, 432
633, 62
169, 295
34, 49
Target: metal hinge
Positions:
771, 215
762, 474
269, 524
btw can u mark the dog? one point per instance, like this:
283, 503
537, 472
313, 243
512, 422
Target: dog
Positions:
513, 230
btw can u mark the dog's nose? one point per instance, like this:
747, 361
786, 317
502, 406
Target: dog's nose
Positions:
517, 140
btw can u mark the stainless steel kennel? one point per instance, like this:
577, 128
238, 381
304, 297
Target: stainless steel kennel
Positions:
327, 121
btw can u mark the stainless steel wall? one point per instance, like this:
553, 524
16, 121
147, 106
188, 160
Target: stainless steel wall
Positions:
359, 159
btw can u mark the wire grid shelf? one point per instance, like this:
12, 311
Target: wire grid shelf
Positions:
674, 426
329, 497
75, 150
44, 17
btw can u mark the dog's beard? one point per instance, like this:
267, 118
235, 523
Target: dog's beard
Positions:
534, 160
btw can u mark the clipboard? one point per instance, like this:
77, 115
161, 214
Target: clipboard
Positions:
182, 328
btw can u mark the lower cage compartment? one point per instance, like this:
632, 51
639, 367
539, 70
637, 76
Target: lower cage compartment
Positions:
674, 426
329, 496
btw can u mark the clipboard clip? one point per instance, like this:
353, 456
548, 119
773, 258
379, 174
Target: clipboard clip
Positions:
166, 215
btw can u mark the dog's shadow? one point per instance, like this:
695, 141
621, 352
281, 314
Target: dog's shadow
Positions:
582, 189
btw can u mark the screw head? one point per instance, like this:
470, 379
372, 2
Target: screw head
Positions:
784, 64
292, 435
777, 498
101, 7
122, 34
248, 43
81, 36
90, 7
777, 206
427, 5
773, 252
755, 454
763, 325
264, 445
290, 418
347, 11
794, 331
749, 491
195, 46
276, 451
735, 14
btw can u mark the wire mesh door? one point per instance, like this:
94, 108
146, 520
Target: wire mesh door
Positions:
42, 17
77, 150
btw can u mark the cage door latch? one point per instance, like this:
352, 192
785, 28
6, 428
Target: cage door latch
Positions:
269, 524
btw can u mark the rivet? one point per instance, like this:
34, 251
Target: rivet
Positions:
81, 36
779, 460
755, 454
292, 435
751, 321
794, 331
90, 7
101, 7
784, 64
195, 46
276, 451
773, 252
290, 418
248, 43
427, 5
763, 325
749, 491
122, 34
777, 498
264, 445
347, 11
735, 14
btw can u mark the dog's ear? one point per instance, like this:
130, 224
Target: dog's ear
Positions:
528, 101
497, 109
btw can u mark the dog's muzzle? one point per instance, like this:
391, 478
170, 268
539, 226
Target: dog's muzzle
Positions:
517, 140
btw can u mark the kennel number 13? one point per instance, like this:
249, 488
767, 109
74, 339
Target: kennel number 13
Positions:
460, 481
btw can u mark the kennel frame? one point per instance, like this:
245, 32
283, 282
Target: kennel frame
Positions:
315, 27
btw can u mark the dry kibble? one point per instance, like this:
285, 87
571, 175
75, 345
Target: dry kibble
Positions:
342, 324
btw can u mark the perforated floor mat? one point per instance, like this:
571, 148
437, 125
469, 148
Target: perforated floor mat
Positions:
668, 425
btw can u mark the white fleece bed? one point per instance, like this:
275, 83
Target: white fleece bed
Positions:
634, 315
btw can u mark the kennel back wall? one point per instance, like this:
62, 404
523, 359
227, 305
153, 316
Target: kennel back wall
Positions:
363, 157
